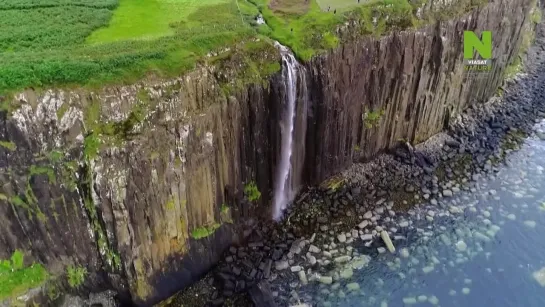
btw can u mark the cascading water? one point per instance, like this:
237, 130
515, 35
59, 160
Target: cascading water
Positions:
288, 167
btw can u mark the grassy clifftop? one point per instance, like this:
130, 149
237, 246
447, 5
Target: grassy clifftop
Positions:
76, 42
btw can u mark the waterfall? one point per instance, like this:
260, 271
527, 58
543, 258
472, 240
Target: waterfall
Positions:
292, 131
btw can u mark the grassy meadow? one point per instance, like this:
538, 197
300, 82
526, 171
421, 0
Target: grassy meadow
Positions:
80, 42
145, 19
64, 42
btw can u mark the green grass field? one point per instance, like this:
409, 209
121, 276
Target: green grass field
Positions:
25, 25
79, 42
340, 5
144, 19
64, 42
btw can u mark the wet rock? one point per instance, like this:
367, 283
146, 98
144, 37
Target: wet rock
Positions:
461, 246
355, 191
531, 224
346, 273
455, 210
447, 193
481, 236
465, 291
404, 253
539, 276
422, 298
296, 268
313, 249
277, 254
342, 259
281, 265
363, 224
353, 286
409, 300
366, 237
433, 300
354, 233
386, 238
427, 269
267, 269
322, 220
328, 280
302, 277
261, 295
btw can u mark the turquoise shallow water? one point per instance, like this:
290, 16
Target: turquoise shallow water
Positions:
478, 248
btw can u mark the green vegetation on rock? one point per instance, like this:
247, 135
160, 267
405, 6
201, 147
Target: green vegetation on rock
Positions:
76, 275
528, 37
251, 191
8, 145
204, 231
224, 208
305, 28
371, 118
170, 205
15, 279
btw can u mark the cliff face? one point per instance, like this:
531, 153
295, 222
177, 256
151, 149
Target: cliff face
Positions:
126, 180
416, 80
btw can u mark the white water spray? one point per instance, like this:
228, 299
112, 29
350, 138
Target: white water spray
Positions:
285, 185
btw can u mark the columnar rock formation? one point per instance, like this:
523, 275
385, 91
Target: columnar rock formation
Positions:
124, 179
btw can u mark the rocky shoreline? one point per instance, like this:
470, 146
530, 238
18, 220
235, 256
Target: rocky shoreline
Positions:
363, 203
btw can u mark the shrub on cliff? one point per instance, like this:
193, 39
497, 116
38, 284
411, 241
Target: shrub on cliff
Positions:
76, 275
251, 191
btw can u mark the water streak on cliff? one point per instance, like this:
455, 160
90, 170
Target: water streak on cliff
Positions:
288, 170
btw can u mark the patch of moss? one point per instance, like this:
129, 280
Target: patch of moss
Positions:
76, 275
224, 208
225, 214
8, 145
154, 155
9, 106
535, 16
371, 118
170, 205
204, 231
15, 279
249, 63
62, 110
44, 170
251, 191
91, 146
335, 183
55, 156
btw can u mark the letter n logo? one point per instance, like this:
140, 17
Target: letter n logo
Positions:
483, 46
